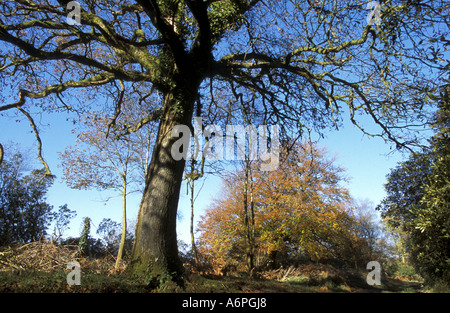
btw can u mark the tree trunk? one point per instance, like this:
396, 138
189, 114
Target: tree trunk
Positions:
124, 224
252, 223
1, 153
194, 248
155, 250
273, 259
248, 222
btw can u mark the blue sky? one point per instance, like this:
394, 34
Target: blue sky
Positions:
367, 161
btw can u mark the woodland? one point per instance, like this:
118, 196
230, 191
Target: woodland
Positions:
130, 72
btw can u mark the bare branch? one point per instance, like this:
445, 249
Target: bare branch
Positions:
118, 108
47, 173
1, 154
96, 80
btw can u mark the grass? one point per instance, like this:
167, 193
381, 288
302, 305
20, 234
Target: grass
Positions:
55, 282
40, 268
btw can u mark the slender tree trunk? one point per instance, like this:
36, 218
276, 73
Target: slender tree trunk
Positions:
124, 224
247, 220
252, 223
155, 248
192, 177
1, 153
273, 259
194, 248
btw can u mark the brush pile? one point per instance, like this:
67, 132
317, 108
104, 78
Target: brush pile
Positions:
313, 272
43, 256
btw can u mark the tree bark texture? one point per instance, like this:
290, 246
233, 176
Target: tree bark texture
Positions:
155, 250
191, 227
124, 224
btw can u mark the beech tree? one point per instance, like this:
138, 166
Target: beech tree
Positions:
300, 207
301, 64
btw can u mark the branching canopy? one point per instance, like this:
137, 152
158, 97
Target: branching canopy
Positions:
300, 64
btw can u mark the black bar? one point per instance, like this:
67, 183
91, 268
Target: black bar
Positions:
223, 302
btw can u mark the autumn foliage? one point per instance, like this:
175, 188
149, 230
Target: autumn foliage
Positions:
300, 211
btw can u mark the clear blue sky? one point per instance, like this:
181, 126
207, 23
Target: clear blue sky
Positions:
365, 159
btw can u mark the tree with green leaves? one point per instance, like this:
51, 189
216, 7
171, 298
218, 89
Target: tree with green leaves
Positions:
418, 201
83, 243
24, 213
432, 221
303, 65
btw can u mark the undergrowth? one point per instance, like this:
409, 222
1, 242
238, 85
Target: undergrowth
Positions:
41, 267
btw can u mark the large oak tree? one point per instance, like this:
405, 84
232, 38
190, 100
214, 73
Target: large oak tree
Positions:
300, 64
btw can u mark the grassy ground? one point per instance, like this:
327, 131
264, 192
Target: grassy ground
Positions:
41, 267
312, 279
55, 282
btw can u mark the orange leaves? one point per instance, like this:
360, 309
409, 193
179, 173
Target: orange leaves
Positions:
302, 206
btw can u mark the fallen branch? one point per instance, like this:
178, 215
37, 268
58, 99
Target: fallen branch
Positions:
289, 270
